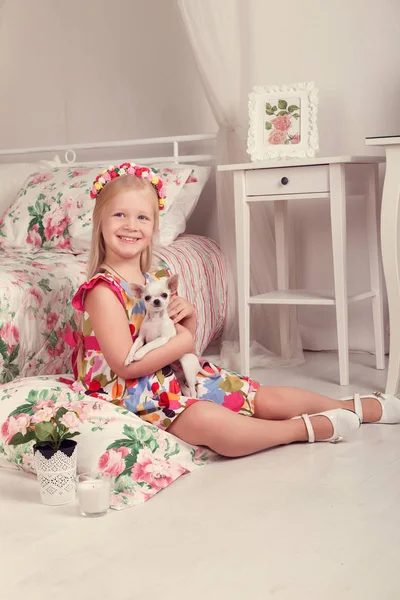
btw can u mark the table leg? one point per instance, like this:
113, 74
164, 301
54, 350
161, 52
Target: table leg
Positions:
390, 258
338, 226
282, 270
375, 268
242, 223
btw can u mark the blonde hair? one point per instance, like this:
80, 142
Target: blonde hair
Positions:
114, 187
98, 249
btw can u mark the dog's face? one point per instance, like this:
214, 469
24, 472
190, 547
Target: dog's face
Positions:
156, 294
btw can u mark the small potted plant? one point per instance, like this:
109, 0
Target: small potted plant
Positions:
52, 424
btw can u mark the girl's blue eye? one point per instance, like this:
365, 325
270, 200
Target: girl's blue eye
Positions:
119, 214
143, 217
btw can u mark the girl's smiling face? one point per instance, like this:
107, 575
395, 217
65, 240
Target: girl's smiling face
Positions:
127, 224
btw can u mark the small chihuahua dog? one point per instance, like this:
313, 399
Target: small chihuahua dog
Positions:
157, 328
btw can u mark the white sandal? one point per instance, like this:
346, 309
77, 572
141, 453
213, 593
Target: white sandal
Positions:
344, 422
390, 407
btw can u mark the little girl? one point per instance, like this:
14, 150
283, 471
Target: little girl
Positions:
233, 415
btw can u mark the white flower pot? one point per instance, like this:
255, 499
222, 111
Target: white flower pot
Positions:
56, 472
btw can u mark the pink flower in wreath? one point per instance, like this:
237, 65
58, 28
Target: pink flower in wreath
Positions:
112, 461
282, 123
277, 137
295, 139
157, 473
10, 335
33, 237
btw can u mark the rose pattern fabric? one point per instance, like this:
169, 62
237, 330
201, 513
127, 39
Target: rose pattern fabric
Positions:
36, 312
53, 211
36, 291
141, 458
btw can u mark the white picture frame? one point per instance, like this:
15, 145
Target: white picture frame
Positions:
283, 121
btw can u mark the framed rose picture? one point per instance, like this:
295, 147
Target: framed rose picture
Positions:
283, 121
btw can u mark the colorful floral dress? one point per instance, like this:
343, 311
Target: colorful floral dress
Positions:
156, 398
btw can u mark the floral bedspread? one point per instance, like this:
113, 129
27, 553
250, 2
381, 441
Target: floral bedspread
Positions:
36, 312
36, 290
141, 458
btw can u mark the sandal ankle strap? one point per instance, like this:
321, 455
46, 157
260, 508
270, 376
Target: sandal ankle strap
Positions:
309, 427
358, 407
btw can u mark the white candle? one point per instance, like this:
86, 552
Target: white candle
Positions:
94, 496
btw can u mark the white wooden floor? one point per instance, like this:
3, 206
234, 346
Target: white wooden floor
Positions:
315, 522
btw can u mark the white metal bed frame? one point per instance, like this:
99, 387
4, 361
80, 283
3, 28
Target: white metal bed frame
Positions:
70, 150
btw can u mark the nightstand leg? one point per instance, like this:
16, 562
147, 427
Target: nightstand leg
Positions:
282, 270
242, 222
338, 226
375, 263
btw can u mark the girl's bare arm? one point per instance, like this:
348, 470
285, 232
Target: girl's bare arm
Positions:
111, 328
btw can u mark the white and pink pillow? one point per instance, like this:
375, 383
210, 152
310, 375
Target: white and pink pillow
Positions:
173, 222
53, 208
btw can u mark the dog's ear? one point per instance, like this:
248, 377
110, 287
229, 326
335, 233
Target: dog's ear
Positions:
172, 283
136, 289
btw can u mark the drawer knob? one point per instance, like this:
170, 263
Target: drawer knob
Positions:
284, 181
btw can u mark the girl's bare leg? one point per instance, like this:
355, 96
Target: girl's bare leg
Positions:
230, 434
279, 403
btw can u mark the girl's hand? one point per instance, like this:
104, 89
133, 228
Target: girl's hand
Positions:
179, 309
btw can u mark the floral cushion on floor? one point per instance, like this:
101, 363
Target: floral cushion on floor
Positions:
142, 458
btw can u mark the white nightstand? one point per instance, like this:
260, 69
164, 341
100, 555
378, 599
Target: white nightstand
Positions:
317, 178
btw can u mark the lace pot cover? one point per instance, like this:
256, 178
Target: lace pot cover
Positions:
56, 472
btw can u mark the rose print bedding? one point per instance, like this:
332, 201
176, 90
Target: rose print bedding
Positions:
141, 458
36, 291
44, 240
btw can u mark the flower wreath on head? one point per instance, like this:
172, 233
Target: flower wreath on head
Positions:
130, 169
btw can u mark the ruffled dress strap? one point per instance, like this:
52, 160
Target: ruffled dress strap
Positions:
78, 301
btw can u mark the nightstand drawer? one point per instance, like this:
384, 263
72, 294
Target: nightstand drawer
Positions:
287, 180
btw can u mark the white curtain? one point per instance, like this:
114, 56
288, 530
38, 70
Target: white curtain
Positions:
220, 36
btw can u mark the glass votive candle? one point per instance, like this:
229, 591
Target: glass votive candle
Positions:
93, 491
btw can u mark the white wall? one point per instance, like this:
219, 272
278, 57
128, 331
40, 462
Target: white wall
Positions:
91, 70
79, 71
94, 70
350, 48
